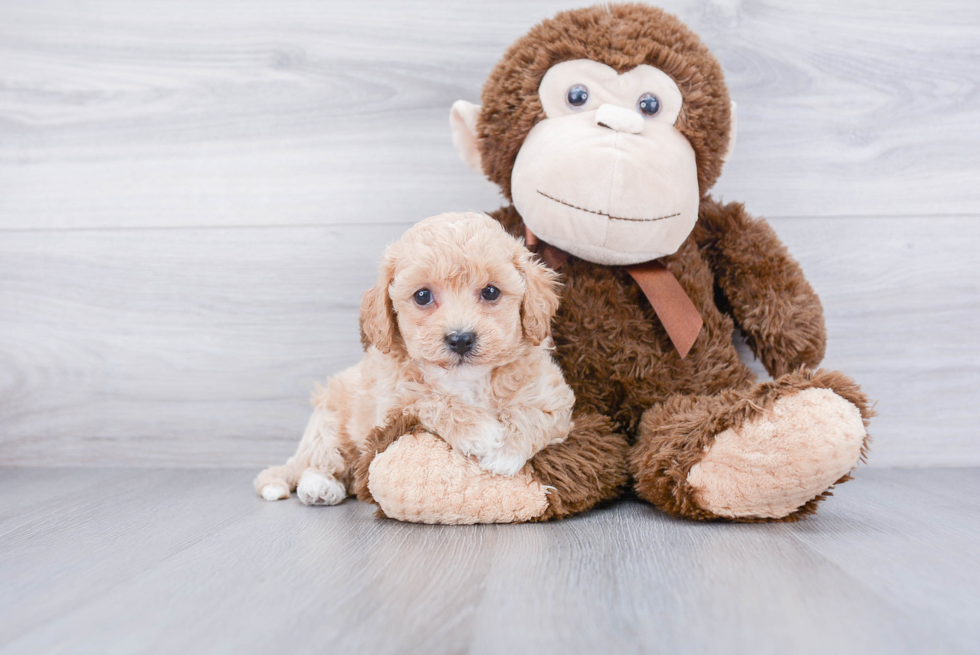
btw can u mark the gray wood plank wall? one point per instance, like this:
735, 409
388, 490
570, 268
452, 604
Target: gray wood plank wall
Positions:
194, 195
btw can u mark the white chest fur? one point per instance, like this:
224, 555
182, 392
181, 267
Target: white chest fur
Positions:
471, 384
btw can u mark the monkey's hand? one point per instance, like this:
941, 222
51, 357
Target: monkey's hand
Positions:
768, 296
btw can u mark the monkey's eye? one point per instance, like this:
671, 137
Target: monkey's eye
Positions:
490, 292
422, 297
577, 96
648, 104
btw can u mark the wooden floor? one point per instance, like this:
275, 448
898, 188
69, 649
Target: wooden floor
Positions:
188, 561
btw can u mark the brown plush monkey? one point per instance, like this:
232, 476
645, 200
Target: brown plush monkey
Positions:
607, 127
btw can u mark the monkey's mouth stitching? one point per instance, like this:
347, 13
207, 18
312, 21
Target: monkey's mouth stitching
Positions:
615, 218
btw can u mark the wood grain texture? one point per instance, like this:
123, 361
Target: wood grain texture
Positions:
862, 539
193, 197
199, 347
283, 113
192, 561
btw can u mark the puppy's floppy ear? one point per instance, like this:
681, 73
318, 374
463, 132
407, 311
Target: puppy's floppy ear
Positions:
379, 325
541, 298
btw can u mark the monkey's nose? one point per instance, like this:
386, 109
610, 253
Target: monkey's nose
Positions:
461, 342
619, 119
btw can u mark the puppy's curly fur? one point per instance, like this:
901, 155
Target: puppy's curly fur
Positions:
499, 398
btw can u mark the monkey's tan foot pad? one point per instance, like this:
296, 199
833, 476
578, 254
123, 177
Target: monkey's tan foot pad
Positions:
421, 479
776, 462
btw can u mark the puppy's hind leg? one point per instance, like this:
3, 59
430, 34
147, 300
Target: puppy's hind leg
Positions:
318, 469
275, 482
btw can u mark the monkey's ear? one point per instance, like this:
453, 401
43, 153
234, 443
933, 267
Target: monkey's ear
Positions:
379, 325
540, 299
462, 121
732, 129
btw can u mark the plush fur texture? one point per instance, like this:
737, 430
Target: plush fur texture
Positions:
587, 468
622, 36
621, 363
678, 433
603, 182
611, 345
500, 402
378, 440
422, 479
701, 437
777, 461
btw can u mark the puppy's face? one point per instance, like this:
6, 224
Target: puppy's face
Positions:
461, 291
460, 311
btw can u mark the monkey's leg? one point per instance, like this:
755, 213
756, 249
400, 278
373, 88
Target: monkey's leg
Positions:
418, 477
587, 468
768, 452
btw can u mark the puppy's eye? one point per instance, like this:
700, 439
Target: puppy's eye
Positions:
577, 96
422, 297
648, 104
490, 292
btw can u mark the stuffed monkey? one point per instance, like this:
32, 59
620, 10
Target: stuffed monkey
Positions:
606, 128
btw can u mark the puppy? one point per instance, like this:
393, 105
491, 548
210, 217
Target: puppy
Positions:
457, 332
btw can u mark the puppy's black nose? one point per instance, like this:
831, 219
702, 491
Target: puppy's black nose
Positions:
461, 342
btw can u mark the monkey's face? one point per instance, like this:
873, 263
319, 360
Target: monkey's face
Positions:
606, 176
580, 129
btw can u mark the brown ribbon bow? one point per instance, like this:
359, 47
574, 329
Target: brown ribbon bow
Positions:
673, 306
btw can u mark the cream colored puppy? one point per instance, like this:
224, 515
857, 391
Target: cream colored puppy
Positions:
456, 332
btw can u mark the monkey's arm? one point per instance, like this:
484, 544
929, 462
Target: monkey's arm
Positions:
767, 294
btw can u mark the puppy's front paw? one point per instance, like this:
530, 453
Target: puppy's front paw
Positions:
315, 488
482, 439
503, 461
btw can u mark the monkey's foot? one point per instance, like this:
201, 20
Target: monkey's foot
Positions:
771, 452
776, 462
415, 476
421, 479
